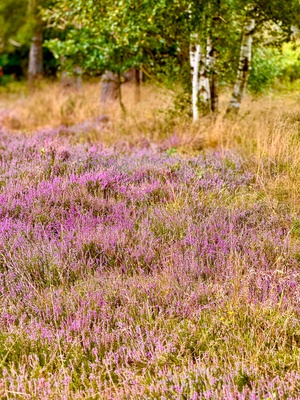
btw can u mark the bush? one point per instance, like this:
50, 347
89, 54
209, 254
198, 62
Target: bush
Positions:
267, 65
291, 62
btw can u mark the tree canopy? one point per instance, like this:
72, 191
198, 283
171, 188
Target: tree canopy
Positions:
100, 35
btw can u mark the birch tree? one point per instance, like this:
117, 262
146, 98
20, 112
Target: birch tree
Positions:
214, 80
266, 17
207, 85
200, 64
244, 66
214, 38
204, 84
195, 52
200, 67
102, 35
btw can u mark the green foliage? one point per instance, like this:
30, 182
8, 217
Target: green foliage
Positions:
114, 36
18, 22
267, 65
13, 18
291, 61
101, 35
270, 63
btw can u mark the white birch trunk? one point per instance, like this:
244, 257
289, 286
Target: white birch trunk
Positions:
204, 86
195, 51
244, 67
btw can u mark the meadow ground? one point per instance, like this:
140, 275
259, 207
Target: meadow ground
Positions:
144, 257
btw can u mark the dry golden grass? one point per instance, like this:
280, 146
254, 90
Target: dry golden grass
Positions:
51, 106
267, 129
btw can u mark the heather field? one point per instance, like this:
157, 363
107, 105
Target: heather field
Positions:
143, 257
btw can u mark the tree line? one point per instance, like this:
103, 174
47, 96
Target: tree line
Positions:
197, 44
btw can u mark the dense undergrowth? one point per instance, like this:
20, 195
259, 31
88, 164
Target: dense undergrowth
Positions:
150, 270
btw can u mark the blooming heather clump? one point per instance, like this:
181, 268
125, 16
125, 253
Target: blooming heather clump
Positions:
142, 275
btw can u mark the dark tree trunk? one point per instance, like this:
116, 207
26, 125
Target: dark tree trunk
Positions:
214, 81
137, 85
110, 87
134, 75
35, 67
120, 94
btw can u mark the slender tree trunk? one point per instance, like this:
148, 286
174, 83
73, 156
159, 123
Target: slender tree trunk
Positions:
78, 77
244, 67
214, 80
110, 87
65, 79
120, 94
214, 72
134, 76
204, 86
137, 83
35, 67
195, 51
